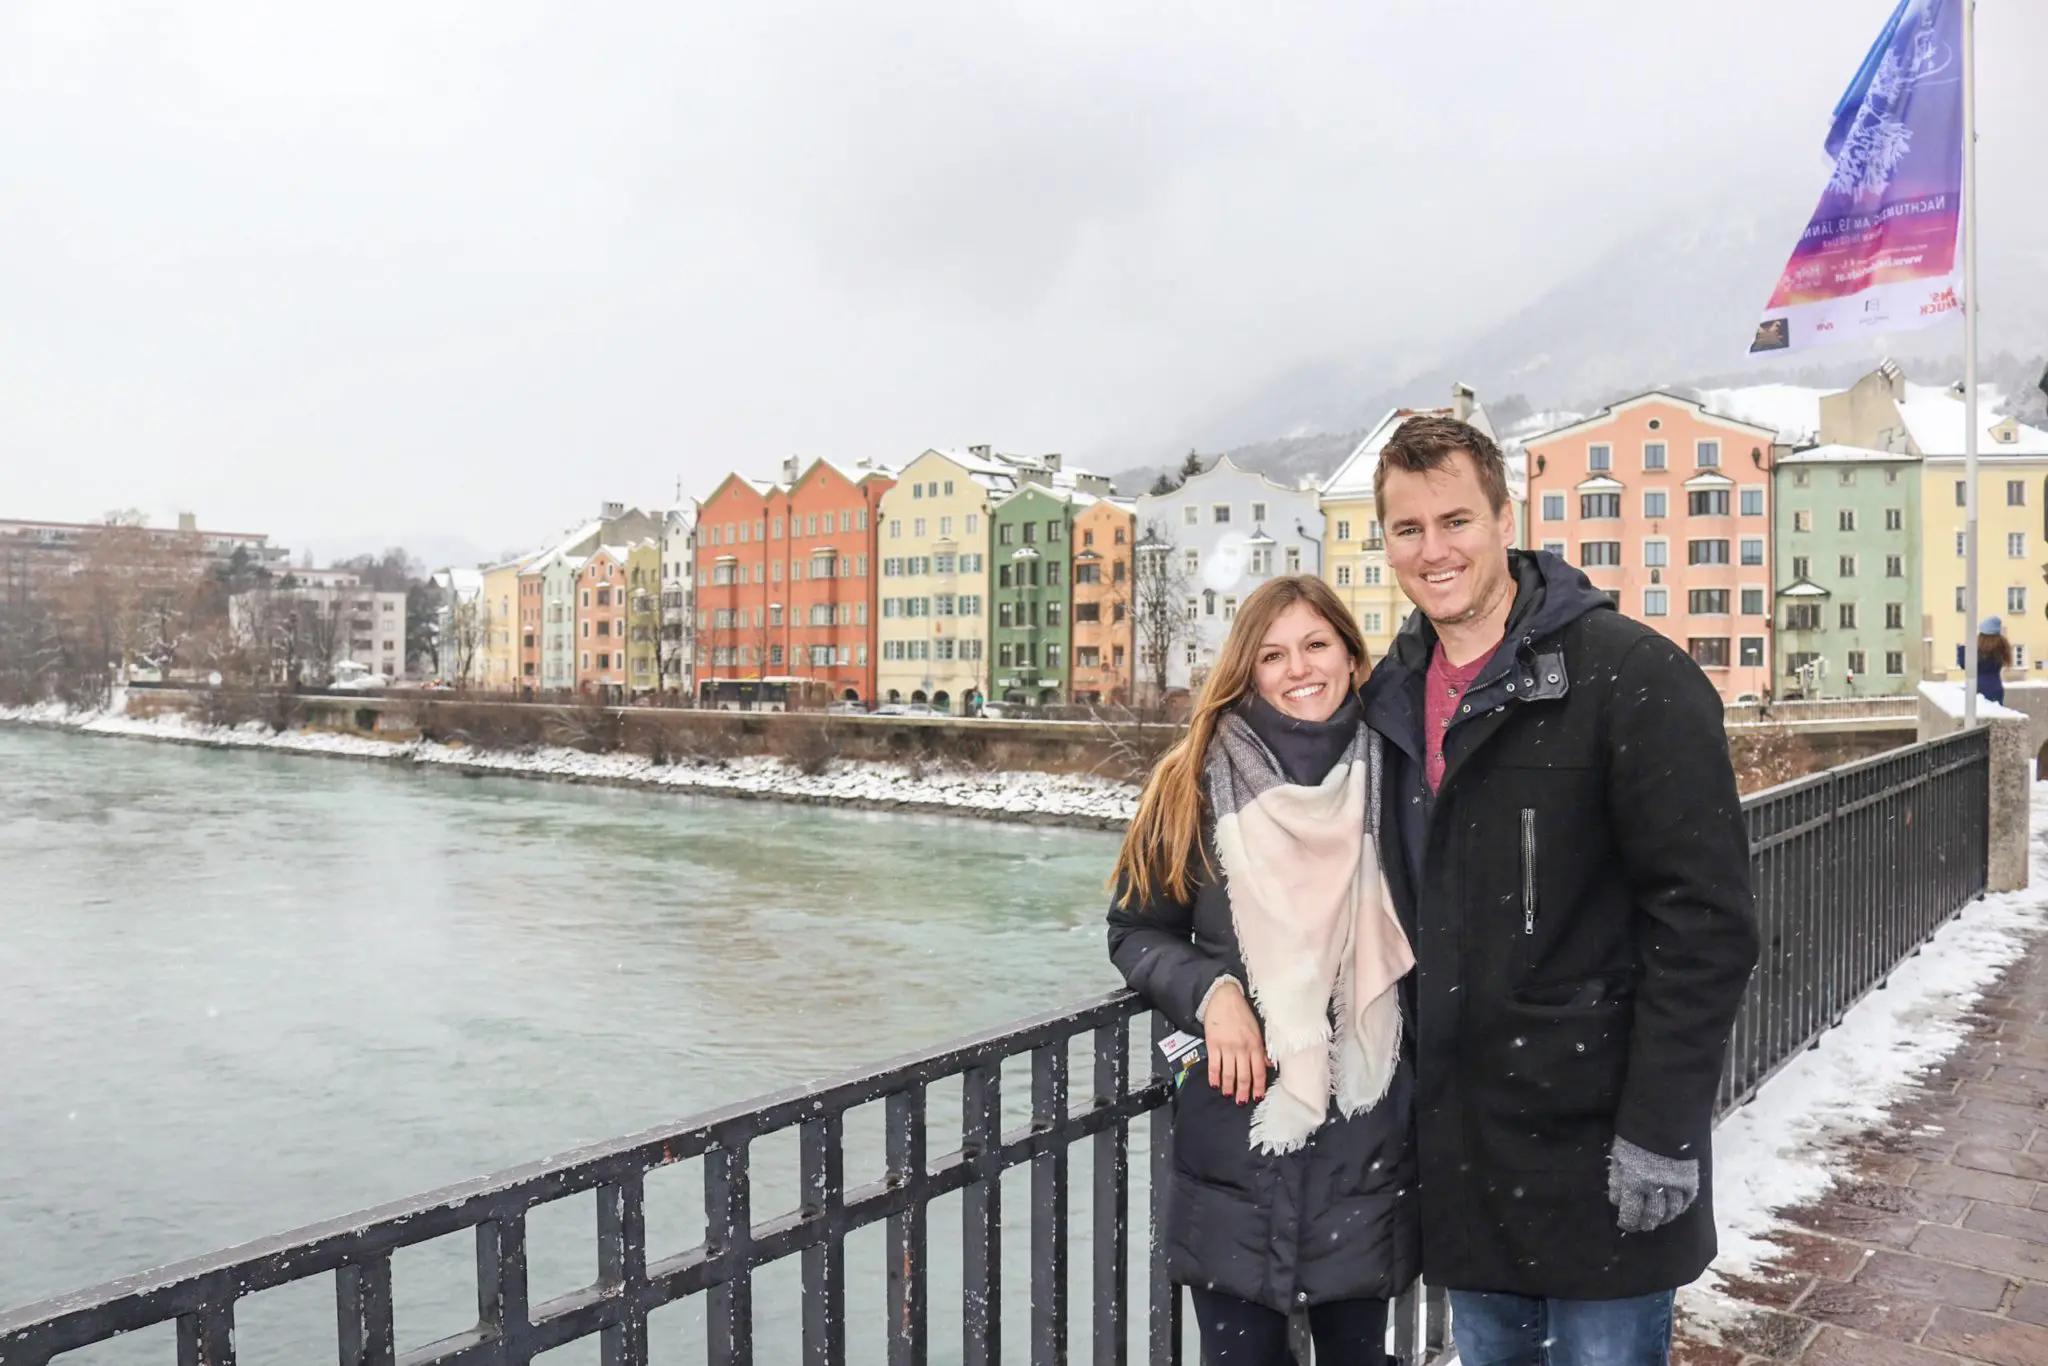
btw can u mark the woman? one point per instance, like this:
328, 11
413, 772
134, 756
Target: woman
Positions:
1250, 911
1994, 656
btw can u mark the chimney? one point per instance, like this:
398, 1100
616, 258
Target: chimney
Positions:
188, 522
610, 511
1052, 462
1464, 401
1894, 379
980, 452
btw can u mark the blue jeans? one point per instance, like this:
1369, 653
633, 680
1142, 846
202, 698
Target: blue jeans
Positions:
1517, 1330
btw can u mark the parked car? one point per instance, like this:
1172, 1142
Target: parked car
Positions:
844, 708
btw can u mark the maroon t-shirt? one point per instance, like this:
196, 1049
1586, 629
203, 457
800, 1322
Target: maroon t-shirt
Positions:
1443, 690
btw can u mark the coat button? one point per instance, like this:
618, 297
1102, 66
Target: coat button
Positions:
1511, 687
1553, 678
1301, 1297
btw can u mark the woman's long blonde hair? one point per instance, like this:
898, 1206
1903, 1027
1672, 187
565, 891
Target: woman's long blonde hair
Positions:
1163, 838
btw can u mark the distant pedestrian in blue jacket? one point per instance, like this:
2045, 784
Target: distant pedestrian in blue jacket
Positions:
1994, 656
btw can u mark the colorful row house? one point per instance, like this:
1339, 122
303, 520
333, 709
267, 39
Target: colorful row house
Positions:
1667, 507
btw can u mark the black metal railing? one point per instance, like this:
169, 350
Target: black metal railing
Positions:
1854, 869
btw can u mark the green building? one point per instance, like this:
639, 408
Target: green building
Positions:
1030, 586
1848, 614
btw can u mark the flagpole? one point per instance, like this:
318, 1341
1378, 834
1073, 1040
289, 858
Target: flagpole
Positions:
1970, 361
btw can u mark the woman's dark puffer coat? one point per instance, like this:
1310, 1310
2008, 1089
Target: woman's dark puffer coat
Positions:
1336, 1220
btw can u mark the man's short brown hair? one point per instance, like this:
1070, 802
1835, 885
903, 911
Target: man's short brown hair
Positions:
1423, 444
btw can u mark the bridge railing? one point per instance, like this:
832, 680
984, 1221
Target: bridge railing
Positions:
1854, 870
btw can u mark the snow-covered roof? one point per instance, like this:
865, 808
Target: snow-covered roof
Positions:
1354, 477
462, 582
1937, 420
1792, 410
1836, 453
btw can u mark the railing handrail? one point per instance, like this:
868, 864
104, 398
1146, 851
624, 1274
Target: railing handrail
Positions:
1830, 970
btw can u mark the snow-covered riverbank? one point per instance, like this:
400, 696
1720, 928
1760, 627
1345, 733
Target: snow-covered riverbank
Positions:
1034, 798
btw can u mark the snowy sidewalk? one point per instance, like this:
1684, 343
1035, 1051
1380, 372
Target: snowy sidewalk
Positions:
1921, 1237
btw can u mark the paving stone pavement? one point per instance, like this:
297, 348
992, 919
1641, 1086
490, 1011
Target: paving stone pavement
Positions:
1935, 1248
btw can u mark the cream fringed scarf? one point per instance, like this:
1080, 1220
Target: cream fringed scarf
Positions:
1316, 926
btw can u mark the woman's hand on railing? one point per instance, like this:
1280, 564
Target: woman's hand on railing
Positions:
1237, 1051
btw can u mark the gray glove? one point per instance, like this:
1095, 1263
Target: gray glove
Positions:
1648, 1190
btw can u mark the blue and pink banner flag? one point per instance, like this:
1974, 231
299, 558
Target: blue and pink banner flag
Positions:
1879, 254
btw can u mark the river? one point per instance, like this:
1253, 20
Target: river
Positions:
241, 992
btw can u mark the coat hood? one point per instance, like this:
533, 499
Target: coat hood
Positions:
1549, 596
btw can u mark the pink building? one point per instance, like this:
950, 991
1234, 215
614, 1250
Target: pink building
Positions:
1667, 507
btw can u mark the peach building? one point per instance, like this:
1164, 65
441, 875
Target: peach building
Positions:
601, 624
1103, 537
1667, 506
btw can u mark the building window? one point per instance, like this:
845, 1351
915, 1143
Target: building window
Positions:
1600, 554
1653, 455
1190, 515
2016, 545
1655, 503
1220, 514
1895, 616
1856, 662
1802, 520
1846, 566
1293, 554
2016, 601
1707, 503
1845, 519
1343, 576
1959, 597
1752, 652
1709, 652
1656, 602
1961, 547
1191, 560
1371, 623
1258, 512
1752, 548
1344, 528
1895, 662
1656, 554
1593, 506
1600, 458
1962, 494
2015, 493
1556, 548
1848, 478
1707, 602
1706, 552
1895, 566
1262, 561
1229, 611
1845, 614
1802, 616
1709, 453
1752, 502
1753, 602
1894, 519
1553, 508
1370, 574
1802, 568
1800, 479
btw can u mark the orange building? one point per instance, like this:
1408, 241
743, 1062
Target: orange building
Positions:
1103, 536
733, 621
601, 624
530, 579
822, 573
1667, 506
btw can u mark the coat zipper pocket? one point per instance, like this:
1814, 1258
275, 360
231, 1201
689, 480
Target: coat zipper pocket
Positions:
1528, 870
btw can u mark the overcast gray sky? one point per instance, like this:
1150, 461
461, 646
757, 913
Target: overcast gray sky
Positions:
376, 268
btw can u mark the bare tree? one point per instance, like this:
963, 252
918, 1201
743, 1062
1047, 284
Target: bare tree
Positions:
1157, 604
469, 626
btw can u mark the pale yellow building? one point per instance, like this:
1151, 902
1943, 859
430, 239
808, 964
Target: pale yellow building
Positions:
932, 606
2012, 552
498, 609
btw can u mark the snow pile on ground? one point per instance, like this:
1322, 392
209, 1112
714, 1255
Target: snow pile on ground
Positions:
1780, 1151
1049, 797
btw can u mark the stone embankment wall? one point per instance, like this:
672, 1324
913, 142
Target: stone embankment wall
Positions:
809, 741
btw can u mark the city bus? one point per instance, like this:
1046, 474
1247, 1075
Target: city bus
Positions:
783, 693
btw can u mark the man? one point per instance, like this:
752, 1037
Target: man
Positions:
1562, 837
